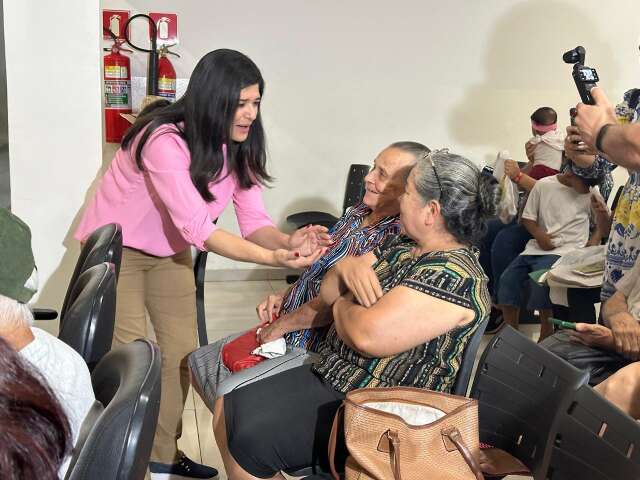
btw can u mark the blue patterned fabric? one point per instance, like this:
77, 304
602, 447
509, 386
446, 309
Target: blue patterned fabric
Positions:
349, 238
624, 239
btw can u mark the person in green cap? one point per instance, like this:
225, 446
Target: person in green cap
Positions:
62, 367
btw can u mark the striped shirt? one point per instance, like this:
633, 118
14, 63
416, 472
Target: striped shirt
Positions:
453, 276
348, 238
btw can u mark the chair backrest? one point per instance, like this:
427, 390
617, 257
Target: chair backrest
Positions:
354, 190
127, 383
103, 245
90, 318
461, 384
594, 440
520, 388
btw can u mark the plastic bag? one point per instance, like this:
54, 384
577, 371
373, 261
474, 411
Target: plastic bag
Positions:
508, 205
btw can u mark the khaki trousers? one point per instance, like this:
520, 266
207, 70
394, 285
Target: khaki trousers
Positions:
165, 288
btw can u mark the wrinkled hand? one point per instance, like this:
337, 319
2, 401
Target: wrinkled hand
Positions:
593, 335
601, 213
591, 118
530, 149
308, 239
269, 309
269, 332
511, 169
626, 335
293, 259
576, 150
360, 279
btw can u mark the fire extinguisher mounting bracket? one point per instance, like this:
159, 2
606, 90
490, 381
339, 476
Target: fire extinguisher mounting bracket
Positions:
152, 74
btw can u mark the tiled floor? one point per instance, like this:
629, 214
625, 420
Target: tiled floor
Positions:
230, 307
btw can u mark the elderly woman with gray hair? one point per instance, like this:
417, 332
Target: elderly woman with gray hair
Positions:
402, 316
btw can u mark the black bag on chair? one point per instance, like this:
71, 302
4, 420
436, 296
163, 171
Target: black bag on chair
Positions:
600, 364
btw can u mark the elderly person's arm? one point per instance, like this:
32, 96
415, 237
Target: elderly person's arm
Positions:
349, 274
621, 143
312, 314
624, 327
399, 321
354, 274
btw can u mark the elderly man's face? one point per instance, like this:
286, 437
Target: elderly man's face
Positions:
385, 182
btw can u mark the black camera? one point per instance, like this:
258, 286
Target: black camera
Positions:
585, 77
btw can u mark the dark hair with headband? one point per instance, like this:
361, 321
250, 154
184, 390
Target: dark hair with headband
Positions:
544, 116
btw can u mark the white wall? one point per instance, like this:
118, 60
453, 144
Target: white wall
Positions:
344, 79
53, 83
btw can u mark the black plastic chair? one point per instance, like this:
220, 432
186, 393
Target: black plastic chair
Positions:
353, 193
461, 384
521, 388
88, 323
594, 440
103, 245
118, 445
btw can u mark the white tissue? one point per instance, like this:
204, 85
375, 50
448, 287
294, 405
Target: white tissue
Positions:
274, 349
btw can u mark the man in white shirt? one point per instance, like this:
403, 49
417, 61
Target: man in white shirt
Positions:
61, 366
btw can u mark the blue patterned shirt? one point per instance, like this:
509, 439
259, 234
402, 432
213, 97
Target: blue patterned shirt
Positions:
349, 238
624, 239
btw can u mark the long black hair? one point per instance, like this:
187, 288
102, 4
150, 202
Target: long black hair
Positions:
203, 117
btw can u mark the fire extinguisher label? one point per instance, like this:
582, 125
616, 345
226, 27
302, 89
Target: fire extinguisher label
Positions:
115, 71
117, 94
167, 87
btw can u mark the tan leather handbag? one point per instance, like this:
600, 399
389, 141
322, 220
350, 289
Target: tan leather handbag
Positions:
403, 433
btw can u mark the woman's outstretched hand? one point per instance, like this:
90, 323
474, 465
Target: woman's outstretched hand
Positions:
295, 258
308, 239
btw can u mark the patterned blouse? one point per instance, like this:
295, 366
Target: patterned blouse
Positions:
349, 238
624, 239
454, 276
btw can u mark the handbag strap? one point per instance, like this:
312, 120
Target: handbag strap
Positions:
453, 434
333, 440
394, 443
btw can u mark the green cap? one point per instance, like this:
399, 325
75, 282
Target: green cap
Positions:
17, 265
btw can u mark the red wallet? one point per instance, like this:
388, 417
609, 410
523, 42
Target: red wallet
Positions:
236, 355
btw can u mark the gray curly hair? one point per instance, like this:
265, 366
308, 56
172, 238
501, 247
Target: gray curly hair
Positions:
467, 197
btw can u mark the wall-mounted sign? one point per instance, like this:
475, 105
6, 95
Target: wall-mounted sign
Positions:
114, 20
167, 27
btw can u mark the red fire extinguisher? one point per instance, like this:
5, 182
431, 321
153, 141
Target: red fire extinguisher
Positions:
166, 76
117, 91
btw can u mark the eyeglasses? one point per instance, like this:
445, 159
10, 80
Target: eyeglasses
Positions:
429, 156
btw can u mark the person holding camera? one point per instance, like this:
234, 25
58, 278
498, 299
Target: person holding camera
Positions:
593, 150
600, 129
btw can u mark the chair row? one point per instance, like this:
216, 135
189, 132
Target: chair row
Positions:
116, 436
541, 410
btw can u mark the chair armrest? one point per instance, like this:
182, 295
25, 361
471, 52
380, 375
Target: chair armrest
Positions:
44, 314
302, 219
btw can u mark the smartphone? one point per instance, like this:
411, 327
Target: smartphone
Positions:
562, 324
